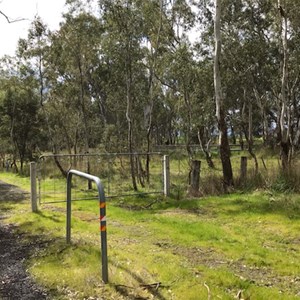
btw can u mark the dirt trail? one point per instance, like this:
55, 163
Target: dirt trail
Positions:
15, 281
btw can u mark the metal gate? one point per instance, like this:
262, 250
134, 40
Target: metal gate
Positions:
114, 169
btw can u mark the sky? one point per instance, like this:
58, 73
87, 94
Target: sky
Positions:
49, 10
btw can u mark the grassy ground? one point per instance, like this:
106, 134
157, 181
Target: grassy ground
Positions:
207, 248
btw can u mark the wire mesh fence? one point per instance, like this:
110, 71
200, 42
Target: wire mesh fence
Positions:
113, 169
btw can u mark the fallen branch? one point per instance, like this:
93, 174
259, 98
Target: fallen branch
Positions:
124, 286
208, 291
239, 296
150, 204
155, 285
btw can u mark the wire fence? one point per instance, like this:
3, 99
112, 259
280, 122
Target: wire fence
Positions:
114, 170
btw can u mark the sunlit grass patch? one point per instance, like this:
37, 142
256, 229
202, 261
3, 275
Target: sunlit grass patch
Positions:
22, 182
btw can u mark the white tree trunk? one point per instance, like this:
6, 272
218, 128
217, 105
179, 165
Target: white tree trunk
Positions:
220, 112
284, 114
217, 75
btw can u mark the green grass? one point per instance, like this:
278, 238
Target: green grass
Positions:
17, 180
220, 245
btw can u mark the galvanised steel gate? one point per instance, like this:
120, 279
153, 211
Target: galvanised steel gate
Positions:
114, 169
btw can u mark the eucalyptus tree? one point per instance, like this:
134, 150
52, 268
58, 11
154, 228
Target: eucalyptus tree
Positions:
185, 84
249, 56
32, 52
20, 122
153, 32
203, 109
220, 110
287, 90
123, 25
275, 72
294, 73
68, 65
260, 71
249, 66
181, 77
284, 118
73, 57
74, 61
261, 58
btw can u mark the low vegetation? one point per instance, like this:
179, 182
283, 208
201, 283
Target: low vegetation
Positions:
207, 248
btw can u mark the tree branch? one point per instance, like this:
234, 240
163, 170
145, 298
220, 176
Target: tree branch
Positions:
9, 20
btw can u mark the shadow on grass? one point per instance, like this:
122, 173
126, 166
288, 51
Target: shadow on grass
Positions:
12, 193
55, 219
128, 291
287, 205
281, 204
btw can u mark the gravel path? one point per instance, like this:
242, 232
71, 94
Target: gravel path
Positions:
15, 281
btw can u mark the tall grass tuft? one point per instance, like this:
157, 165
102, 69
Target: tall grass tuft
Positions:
269, 176
253, 181
287, 181
212, 184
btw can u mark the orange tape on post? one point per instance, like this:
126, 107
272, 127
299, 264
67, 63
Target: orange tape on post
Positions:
102, 204
103, 228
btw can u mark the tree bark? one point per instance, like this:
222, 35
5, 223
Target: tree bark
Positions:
129, 114
284, 114
152, 67
205, 149
220, 113
195, 178
249, 133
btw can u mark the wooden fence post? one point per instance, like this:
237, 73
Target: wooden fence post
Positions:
195, 177
33, 194
166, 164
243, 168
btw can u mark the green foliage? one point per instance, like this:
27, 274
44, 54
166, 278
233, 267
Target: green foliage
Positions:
19, 118
129, 78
